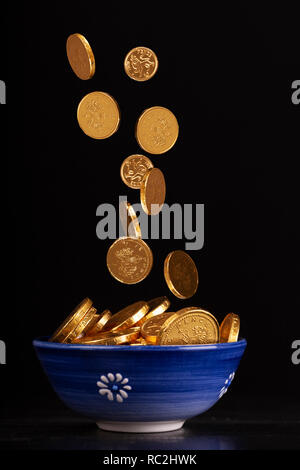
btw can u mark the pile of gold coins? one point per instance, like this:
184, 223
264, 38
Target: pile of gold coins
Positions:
129, 259
145, 323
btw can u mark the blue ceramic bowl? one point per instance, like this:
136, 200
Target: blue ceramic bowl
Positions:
139, 388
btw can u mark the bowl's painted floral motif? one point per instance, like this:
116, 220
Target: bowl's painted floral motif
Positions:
226, 384
114, 387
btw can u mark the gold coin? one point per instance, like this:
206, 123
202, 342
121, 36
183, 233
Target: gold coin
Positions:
153, 191
110, 338
80, 56
230, 328
156, 307
127, 317
138, 342
101, 320
133, 170
88, 321
151, 328
156, 130
140, 64
98, 115
129, 260
129, 220
190, 325
65, 332
181, 274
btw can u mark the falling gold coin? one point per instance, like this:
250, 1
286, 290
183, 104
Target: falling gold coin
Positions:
129, 260
67, 332
98, 115
157, 130
80, 56
156, 307
140, 64
151, 328
102, 319
189, 325
229, 328
109, 338
129, 220
181, 274
153, 191
127, 317
133, 170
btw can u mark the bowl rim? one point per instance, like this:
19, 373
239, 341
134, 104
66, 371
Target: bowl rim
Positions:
43, 342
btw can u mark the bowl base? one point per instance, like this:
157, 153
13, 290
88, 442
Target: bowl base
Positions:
140, 426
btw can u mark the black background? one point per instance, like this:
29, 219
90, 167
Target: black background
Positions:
226, 73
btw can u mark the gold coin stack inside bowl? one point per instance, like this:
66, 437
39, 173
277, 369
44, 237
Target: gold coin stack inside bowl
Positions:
145, 323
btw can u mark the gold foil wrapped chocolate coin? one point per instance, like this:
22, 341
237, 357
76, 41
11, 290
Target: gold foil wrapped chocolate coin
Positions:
152, 327
73, 325
153, 191
129, 260
157, 130
127, 317
110, 338
141, 64
181, 274
156, 307
189, 325
229, 328
80, 56
98, 115
133, 170
100, 322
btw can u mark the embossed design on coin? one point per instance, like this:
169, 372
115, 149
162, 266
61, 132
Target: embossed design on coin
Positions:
141, 64
157, 130
80, 56
98, 115
129, 260
114, 386
190, 326
181, 274
133, 170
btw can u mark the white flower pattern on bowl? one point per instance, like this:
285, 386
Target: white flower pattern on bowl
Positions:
226, 384
114, 386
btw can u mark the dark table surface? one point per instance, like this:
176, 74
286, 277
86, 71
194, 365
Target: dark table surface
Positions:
232, 424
